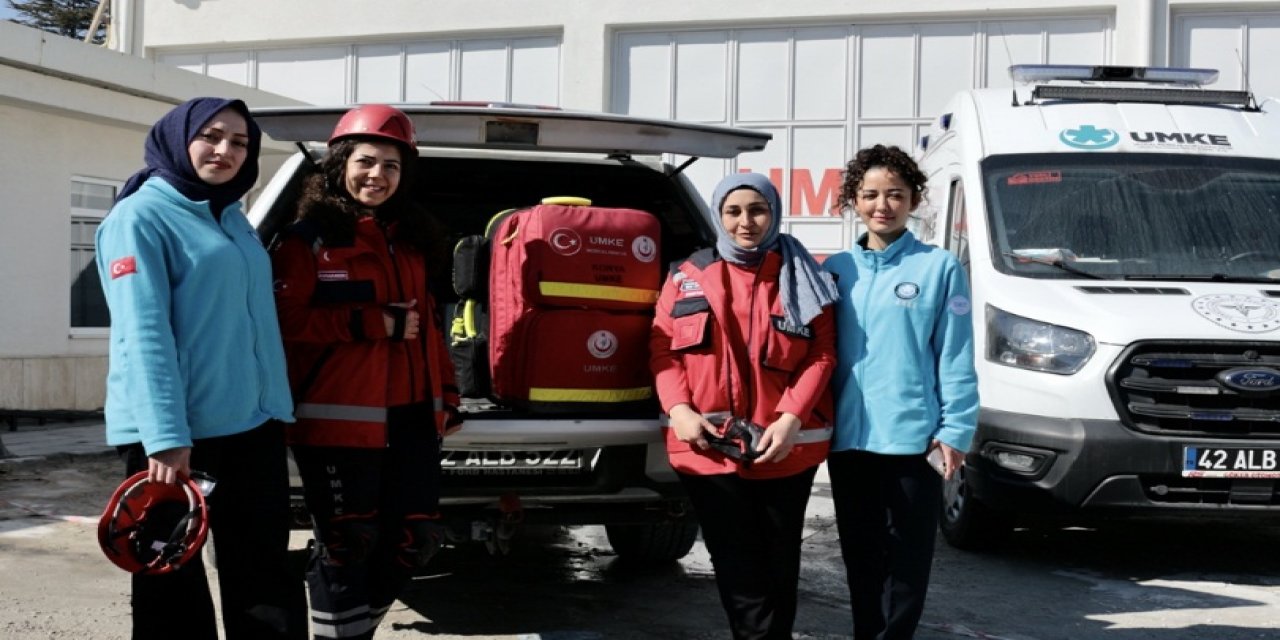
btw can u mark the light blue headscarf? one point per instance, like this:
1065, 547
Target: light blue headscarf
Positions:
805, 287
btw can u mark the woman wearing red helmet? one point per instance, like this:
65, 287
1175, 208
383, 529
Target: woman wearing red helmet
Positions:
372, 381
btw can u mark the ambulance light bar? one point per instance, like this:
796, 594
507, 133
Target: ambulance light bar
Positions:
1026, 73
1138, 94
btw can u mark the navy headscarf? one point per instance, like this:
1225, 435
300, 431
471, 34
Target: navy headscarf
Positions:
166, 154
805, 287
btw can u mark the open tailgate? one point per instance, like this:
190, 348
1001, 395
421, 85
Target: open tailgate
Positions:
529, 129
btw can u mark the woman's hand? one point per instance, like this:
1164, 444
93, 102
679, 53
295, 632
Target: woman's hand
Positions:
779, 438
453, 423
164, 466
690, 426
411, 320
951, 458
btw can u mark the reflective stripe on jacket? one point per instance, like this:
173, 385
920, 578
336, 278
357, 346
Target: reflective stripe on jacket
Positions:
781, 368
344, 369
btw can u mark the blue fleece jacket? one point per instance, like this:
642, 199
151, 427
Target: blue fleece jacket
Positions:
195, 345
905, 373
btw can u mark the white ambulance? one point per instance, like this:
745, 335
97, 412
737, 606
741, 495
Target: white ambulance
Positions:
1121, 229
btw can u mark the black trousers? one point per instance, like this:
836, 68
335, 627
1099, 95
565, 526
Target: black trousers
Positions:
752, 529
249, 522
887, 515
371, 509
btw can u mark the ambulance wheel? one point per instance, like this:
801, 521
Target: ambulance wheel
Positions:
966, 522
653, 543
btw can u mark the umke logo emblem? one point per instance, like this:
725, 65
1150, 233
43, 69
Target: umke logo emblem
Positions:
602, 344
644, 249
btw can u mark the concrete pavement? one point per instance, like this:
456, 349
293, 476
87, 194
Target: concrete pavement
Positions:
33, 441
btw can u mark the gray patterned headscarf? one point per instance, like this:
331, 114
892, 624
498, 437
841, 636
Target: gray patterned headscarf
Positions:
805, 287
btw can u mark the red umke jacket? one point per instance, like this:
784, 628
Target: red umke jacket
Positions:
773, 367
343, 367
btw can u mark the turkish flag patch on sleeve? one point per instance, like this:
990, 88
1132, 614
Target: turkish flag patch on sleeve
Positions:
123, 267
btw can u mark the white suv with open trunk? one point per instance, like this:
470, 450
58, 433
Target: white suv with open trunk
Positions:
507, 466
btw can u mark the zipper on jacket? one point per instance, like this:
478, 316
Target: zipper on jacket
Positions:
395, 271
749, 382
875, 261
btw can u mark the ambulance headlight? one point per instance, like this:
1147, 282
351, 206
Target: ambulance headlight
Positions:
1021, 342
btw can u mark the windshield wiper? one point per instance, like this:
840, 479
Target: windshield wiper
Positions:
1052, 262
1202, 277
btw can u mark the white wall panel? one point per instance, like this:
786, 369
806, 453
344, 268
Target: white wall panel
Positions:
1215, 43
189, 61
946, 63
701, 61
232, 66
772, 160
1264, 53
1010, 43
763, 83
817, 154
901, 135
427, 70
821, 73
642, 83
821, 236
378, 73
1221, 42
484, 70
887, 68
705, 173
316, 75
535, 71
523, 70
1075, 42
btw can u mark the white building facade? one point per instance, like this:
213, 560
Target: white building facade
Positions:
73, 118
825, 77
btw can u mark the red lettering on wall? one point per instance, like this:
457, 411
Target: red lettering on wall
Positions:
807, 200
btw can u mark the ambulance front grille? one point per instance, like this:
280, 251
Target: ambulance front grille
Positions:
1173, 388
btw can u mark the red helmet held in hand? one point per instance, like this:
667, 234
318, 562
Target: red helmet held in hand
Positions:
377, 121
149, 527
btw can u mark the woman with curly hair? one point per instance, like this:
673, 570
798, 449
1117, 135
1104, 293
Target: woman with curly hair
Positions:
905, 386
372, 381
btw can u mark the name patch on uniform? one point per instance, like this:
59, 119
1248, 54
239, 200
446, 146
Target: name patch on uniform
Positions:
690, 287
781, 325
333, 275
123, 266
959, 305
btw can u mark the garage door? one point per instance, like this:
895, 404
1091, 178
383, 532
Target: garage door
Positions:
524, 70
825, 91
1238, 45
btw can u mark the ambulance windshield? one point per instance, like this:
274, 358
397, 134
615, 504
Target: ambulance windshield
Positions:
1135, 216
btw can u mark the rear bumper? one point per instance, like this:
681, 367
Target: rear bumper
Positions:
1100, 465
625, 484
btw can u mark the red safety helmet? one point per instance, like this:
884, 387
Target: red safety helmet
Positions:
377, 121
149, 527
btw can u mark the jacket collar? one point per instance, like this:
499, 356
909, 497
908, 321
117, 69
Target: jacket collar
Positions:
890, 253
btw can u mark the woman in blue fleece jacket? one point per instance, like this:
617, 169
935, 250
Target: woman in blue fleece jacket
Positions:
196, 375
904, 385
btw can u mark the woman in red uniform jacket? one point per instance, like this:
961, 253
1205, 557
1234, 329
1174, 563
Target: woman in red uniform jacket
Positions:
372, 382
745, 330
